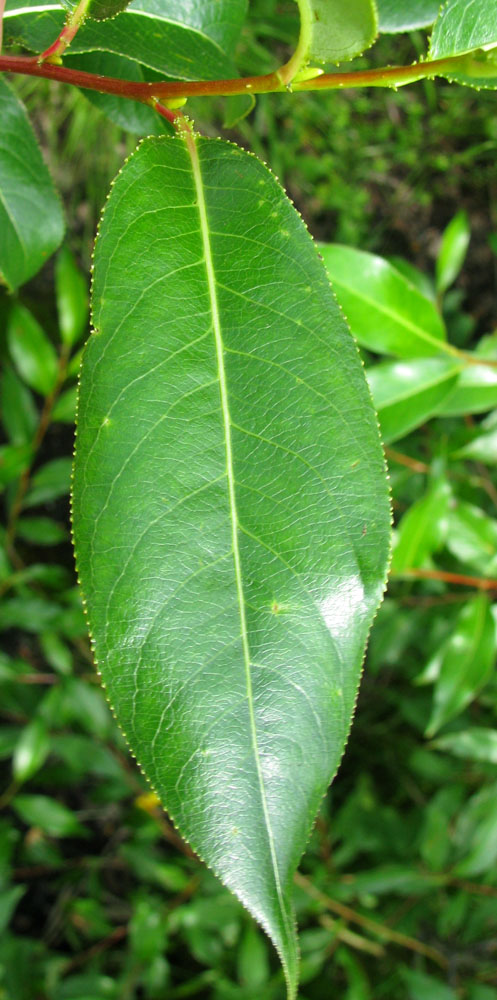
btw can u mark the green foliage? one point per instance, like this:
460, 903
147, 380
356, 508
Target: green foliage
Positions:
231, 520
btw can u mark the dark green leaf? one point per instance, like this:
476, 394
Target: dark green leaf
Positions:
31, 220
41, 530
423, 529
386, 313
49, 815
407, 393
131, 115
64, 410
19, 413
32, 353
462, 27
477, 744
14, 459
234, 580
9, 899
53, 480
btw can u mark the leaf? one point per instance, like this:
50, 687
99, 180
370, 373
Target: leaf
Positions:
397, 15
53, 480
332, 31
407, 393
71, 293
180, 40
41, 531
14, 459
476, 832
231, 524
474, 392
31, 351
462, 27
453, 248
466, 662
472, 537
385, 312
423, 987
31, 220
31, 750
131, 115
64, 410
49, 815
99, 10
19, 413
423, 529
476, 743
482, 448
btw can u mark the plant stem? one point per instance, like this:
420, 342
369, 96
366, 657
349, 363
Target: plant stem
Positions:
480, 582
391, 76
73, 23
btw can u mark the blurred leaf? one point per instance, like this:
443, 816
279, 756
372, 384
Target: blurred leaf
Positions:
56, 653
31, 750
72, 298
51, 816
65, 406
435, 843
14, 459
423, 529
462, 27
466, 660
9, 899
481, 449
472, 537
407, 393
453, 249
252, 959
147, 930
41, 531
31, 219
19, 413
33, 614
474, 392
385, 312
477, 744
421, 986
53, 480
476, 832
31, 351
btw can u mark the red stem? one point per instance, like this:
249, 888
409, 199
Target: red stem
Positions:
482, 583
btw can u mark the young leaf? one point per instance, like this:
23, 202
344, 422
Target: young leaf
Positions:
231, 524
397, 15
31, 351
332, 31
482, 448
453, 248
466, 662
462, 27
31, 750
386, 313
19, 413
31, 220
477, 744
423, 529
407, 393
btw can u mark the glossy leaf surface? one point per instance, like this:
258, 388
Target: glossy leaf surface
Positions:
474, 392
453, 248
397, 15
336, 31
153, 35
463, 26
230, 508
386, 313
31, 220
407, 393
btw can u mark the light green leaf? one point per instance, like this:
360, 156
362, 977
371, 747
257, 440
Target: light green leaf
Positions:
474, 392
397, 15
423, 529
385, 312
472, 537
180, 40
332, 31
64, 410
71, 291
31, 351
19, 413
476, 832
466, 662
407, 393
462, 27
231, 523
49, 815
31, 750
53, 480
14, 459
481, 449
41, 530
453, 248
131, 115
477, 744
31, 220
477, 69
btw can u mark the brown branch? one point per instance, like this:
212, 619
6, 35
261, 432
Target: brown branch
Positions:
480, 582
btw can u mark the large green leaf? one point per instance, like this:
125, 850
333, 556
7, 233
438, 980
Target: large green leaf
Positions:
31, 220
332, 31
397, 15
387, 314
230, 508
152, 33
462, 27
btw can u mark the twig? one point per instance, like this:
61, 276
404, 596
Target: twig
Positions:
480, 582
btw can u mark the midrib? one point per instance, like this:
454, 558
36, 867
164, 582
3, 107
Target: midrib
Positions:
216, 323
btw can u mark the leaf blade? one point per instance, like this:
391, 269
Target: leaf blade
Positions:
231, 508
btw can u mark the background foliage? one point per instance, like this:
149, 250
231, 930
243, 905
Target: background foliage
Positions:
397, 896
